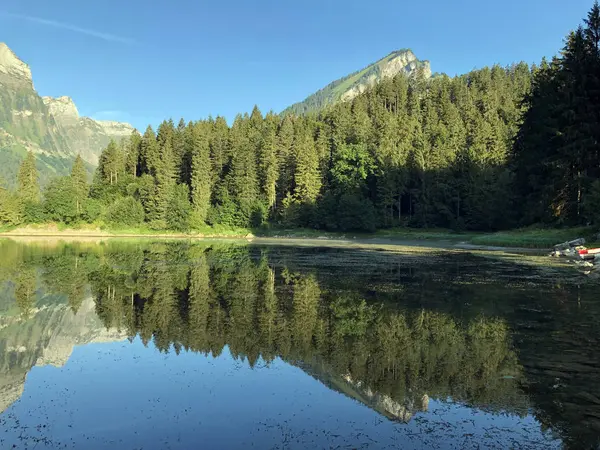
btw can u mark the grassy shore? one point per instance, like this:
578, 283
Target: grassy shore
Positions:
58, 229
540, 238
526, 238
537, 237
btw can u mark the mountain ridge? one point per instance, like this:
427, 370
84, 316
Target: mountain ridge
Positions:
49, 127
12, 68
349, 86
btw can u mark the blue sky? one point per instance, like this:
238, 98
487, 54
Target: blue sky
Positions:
142, 61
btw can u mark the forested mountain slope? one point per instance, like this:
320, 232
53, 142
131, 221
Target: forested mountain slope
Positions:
348, 87
406, 151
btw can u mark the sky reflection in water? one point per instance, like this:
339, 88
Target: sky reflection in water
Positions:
174, 345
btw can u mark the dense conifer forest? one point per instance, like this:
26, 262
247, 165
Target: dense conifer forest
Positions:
496, 148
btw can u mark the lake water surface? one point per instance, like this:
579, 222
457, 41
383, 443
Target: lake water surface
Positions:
208, 344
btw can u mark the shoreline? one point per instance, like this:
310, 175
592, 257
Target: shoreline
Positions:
416, 248
378, 242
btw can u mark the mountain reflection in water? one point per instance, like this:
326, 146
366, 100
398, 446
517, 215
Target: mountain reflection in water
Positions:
408, 337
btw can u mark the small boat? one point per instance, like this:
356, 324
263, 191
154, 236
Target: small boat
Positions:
587, 258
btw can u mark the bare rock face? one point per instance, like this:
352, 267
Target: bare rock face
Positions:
48, 126
116, 128
62, 109
86, 136
398, 62
401, 62
12, 69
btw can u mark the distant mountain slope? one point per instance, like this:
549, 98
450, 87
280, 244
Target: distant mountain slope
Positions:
51, 128
400, 61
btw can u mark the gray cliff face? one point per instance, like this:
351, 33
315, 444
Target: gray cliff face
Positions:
50, 127
87, 135
400, 62
62, 109
13, 71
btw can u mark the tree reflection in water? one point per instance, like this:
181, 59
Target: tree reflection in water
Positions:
388, 333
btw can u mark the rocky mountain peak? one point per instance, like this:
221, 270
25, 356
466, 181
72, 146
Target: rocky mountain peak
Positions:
402, 61
12, 69
45, 125
116, 128
62, 108
399, 61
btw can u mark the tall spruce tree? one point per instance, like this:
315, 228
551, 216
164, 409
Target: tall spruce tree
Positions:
183, 158
111, 164
556, 152
165, 179
285, 157
132, 157
243, 182
201, 171
267, 162
149, 153
307, 178
220, 155
28, 184
80, 184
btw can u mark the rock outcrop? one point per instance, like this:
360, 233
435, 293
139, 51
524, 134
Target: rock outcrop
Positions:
62, 109
398, 62
87, 135
13, 71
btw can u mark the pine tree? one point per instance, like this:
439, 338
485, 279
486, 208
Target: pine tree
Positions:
10, 209
29, 188
323, 148
219, 148
149, 153
307, 177
183, 158
111, 164
79, 180
165, 133
242, 177
285, 141
556, 152
255, 130
132, 157
179, 209
201, 179
165, 180
268, 164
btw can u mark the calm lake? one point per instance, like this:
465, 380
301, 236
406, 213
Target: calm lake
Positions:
213, 344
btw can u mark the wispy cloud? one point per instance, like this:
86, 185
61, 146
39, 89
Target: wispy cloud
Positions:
66, 26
